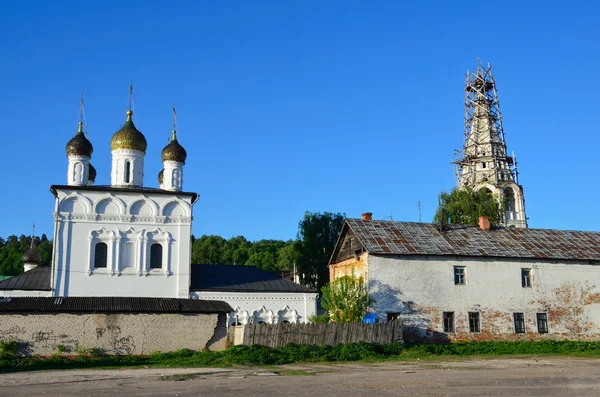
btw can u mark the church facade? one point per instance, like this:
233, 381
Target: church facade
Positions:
128, 240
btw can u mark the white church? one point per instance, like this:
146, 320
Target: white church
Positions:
129, 240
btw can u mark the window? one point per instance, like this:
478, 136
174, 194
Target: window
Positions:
526, 278
449, 322
156, 253
474, 325
392, 316
484, 165
519, 323
127, 171
100, 255
542, 323
459, 275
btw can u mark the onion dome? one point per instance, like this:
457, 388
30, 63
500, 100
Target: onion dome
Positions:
174, 151
91, 173
79, 145
31, 256
161, 177
128, 137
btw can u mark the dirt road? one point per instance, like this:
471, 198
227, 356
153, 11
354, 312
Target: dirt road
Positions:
472, 377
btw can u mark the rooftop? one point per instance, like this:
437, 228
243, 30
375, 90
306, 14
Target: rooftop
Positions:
412, 238
240, 279
37, 279
109, 305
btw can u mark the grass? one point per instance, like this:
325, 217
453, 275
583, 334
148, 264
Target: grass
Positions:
264, 356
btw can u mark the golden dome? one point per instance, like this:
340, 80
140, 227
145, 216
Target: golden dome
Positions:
79, 145
128, 137
174, 151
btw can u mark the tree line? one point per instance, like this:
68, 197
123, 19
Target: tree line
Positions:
12, 249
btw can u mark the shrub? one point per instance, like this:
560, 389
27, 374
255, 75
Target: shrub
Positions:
8, 348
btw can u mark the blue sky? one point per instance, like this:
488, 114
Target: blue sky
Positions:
284, 107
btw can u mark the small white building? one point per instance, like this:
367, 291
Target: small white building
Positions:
129, 240
475, 283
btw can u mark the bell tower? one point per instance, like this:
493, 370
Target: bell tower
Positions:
483, 162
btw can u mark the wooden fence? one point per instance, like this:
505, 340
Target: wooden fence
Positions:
279, 335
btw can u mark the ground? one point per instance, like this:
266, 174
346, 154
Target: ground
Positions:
524, 376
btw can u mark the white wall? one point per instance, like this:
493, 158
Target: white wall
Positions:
421, 288
88, 217
138, 333
268, 306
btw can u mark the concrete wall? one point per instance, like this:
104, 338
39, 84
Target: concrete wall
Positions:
270, 307
115, 333
120, 220
421, 288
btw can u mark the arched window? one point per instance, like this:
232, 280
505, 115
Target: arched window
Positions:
100, 255
156, 254
127, 171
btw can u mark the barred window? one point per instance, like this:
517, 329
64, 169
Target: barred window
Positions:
100, 255
156, 254
519, 323
449, 322
474, 324
542, 323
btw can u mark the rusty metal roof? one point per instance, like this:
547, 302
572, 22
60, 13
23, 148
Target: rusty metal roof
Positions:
72, 304
412, 238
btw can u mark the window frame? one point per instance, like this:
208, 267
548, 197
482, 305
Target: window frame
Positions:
471, 316
127, 172
519, 323
449, 328
542, 329
529, 278
460, 274
150, 264
98, 244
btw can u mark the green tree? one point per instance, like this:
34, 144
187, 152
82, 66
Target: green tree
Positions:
346, 299
317, 235
12, 249
208, 250
464, 207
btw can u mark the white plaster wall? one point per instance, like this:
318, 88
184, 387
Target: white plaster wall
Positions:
305, 304
136, 174
115, 333
87, 217
421, 288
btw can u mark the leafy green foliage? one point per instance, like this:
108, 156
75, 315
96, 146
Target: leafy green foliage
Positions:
317, 235
268, 255
8, 348
260, 355
12, 248
464, 207
346, 299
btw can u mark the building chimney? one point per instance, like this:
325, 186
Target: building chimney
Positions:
484, 223
367, 216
